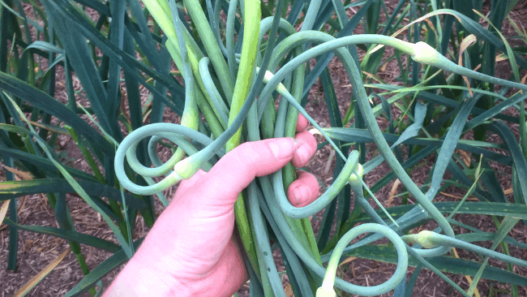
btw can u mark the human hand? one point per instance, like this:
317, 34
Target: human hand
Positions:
190, 250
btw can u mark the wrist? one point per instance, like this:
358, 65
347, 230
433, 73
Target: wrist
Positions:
137, 279
147, 276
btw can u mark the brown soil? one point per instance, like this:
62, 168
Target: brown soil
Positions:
36, 251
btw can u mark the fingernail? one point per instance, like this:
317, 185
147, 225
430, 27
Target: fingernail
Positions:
282, 148
301, 194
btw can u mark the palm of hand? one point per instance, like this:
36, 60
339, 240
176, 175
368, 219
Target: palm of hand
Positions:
190, 249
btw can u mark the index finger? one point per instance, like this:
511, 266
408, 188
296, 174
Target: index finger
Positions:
301, 123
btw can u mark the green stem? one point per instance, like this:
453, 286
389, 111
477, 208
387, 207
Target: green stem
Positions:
395, 279
241, 90
430, 239
336, 44
211, 46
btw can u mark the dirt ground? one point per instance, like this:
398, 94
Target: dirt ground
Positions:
36, 251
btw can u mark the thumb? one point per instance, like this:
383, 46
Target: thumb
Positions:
239, 167
189, 183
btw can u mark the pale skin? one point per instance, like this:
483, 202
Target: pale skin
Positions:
191, 250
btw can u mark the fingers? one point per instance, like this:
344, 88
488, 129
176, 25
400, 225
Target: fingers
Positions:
222, 184
304, 190
239, 167
306, 148
301, 123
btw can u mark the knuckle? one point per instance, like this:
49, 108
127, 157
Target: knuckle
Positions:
248, 153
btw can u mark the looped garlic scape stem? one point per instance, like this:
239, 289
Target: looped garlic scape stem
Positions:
275, 201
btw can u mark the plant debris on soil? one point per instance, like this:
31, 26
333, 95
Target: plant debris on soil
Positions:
36, 251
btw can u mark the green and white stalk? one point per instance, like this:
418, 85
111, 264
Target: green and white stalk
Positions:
209, 41
162, 14
251, 27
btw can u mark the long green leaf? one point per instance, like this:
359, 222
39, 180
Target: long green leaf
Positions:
476, 208
10, 189
516, 153
68, 235
101, 270
74, 183
506, 225
413, 129
48, 104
